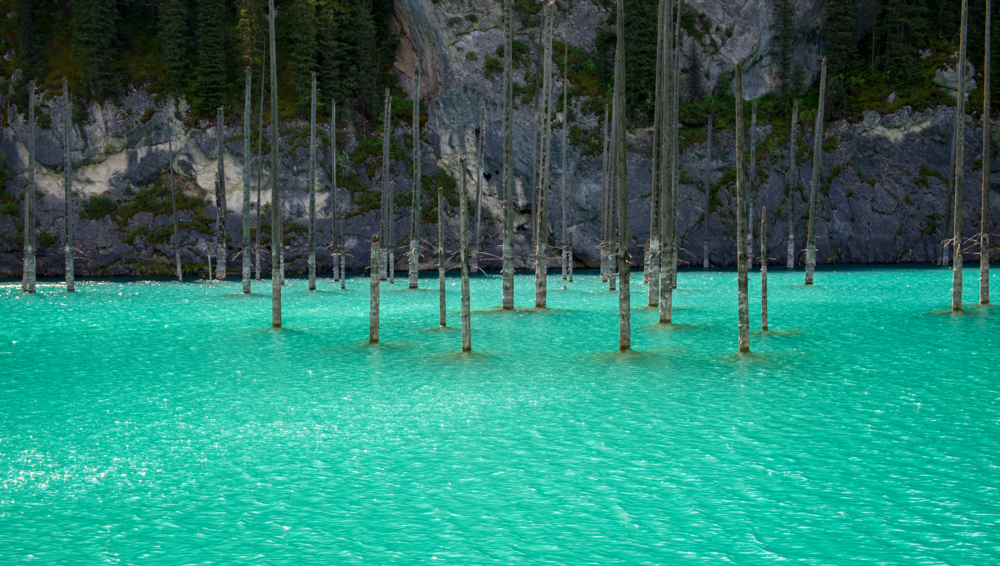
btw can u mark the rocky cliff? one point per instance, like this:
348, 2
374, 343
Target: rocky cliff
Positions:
882, 192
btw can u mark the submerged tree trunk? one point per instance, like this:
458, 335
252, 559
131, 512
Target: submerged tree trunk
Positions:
373, 297
28, 280
68, 186
276, 241
569, 260
949, 224
677, 146
956, 281
474, 260
220, 201
655, 212
464, 235
666, 173
391, 260
817, 169
440, 211
984, 233
542, 238
604, 245
312, 187
613, 192
624, 313
741, 226
386, 190
413, 281
763, 269
259, 252
791, 182
565, 139
708, 195
334, 240
247, 172
508, 157
751, 182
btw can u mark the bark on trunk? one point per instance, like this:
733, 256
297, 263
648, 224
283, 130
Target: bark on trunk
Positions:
949, 224
652, 268
413, 281
791, 181
391, 260
817, 169
443, 314
220, 201
570, 258
984, 234
334, 223
677, 145
741, 226
565, 251
464, 234
763, 269
613, 193
173, 203
624, 313
373, 297
276, 241
508, 157
474, 259
708, 195
751, 181
312, 187
956, 280
542, 238
247, 172
604, 201
28, 283
666, 172
68, 186
259, 252
386, 190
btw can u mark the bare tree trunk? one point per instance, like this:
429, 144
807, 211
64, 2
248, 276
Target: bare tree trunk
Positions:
208, 253
677, 147
68, 186
708, 195
220, 202
247, 172
542, 239
817, 169
276, 240
956, 281
479, 190
655, 212
624, 312
464, 234
791, 181
741, 226
441, 258
28, 283
752, 184
565, 241
312, 187
173, 202
391, 244
260, 166
604, 245
666, 171
413, 282
763, 269
613, 193
334, 240
569, 260
373, 297
984, 234
508, 157
386, 189
949, 207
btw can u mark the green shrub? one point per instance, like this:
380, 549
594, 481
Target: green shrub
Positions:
99, 207
830, 144
454, 21
472, 18
492, 67
471, 56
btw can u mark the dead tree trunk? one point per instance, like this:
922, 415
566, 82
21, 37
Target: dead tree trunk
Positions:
373, 297
220, 201
949, 224
817, 169
247, 172
508, 157
751, 182
334, 223
28, 283
260, 167
677, 147
984, 233
392, 237
956, 281
173, 203
708, 195
386, 190
624, 312
741, 226
464, 235
569, 261
276, 241
474, 260
655, 212
413, 281
542, 238
763, 269
441, 258
312, 187
68, 186
565, 250
791, 182
604, 244
666, 172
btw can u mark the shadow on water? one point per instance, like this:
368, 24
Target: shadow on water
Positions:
475, 356
777, 332
677, 327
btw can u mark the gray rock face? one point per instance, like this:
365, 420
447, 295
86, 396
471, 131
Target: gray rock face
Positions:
882, 194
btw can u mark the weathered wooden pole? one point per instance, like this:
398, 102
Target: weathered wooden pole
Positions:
276, 240
751, 181
624, 312
391, 244
479, 190
569, 261
463, 219
791, 181
247, 172
949, 224
208, 252
763, 269
373, 297
508, 157
565, 139
984, 233
542, 238
415, 208
741, 225
173, 203
817, 169
956, 280
441, 258
655, 208
386, 189
666, 173
604, 244
220, 201
708, 194
613, 191
28, 280
677, 147
334, 240
68, 186
260, 167
312, 187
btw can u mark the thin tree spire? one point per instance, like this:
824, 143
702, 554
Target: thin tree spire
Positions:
508, 158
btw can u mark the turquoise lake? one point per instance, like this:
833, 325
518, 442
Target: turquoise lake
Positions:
151, 422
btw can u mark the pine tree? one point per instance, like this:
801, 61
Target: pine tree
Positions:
302, 43
29, 39
902, 29
250, 31
95, 43
783, 28
174, 41
211, 74
840, 49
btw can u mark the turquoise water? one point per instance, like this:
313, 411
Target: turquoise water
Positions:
162, 423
